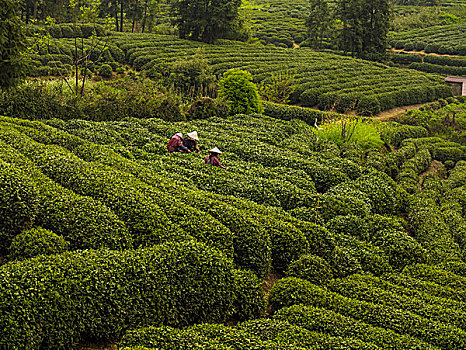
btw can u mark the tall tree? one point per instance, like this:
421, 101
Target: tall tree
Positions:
365, 26
12, 44
206, 20
319, 21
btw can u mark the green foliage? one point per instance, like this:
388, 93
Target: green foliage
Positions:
361, 134
110, 292
291, 291
36, 241
12, 45
237, 88
365, 26
18, 203
193, 75
335, 324
105, 71
112, 100
206, 21
312, 268
249, 300
206, 107
278, 87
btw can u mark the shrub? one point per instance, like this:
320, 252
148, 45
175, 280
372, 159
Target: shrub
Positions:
312, 268
194, 76
343, 263
249, 302
36, 241
19, 202
290, 291
350, 225
288, 243
107, 292
206, 107
337, 325
368, 105
237, 88
105, 71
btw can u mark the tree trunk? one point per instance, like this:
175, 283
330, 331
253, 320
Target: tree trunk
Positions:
121, 16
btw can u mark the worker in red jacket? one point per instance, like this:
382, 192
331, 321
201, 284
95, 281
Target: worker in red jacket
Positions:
176, 144
213, 160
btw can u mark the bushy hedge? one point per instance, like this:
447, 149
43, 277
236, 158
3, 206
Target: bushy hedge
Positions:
355, 287
337, 325
291, 291
101, 294
82, 221
312, 268
429, 228
285, 112
19, 202
415, 285
36, 241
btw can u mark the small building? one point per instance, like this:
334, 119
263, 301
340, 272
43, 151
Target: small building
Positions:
458, 84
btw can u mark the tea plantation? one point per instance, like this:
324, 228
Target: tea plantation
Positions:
106, 237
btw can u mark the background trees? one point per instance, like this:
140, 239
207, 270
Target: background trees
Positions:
206, 20
12, 44
365, 26
361, 26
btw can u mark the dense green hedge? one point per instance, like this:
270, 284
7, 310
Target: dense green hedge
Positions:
82, 221
100, 294
36, 241
354, 287
285, 112
18, 203
429, 228
291, 291
337, 325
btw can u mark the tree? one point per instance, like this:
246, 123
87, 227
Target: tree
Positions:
237, 88
318, 22
12, 45
365, 26
206, 20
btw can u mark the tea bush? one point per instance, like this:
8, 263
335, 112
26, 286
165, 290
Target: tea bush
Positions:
101, 294
36, 241
18, 204
290, 291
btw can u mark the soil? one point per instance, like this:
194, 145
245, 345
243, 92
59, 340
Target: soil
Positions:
424, 53
395, 112
436, 168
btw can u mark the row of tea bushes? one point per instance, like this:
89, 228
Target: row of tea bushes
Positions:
101, 294
82, 221
315, 74
354, 287
263, 334
292, 291
335, 324
447, 39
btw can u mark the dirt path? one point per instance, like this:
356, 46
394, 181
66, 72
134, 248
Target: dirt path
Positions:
394, 112
424, 53
436, 168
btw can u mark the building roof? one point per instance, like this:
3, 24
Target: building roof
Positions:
455, 79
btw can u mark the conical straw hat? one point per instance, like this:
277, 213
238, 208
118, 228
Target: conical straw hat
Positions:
193, 136
215, 150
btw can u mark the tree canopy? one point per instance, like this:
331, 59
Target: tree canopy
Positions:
12, 44
206, 20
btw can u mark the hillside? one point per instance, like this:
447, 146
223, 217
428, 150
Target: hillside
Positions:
351, 242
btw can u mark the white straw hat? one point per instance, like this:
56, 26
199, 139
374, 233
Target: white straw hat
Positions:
179, 134
193, 136
215, 150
